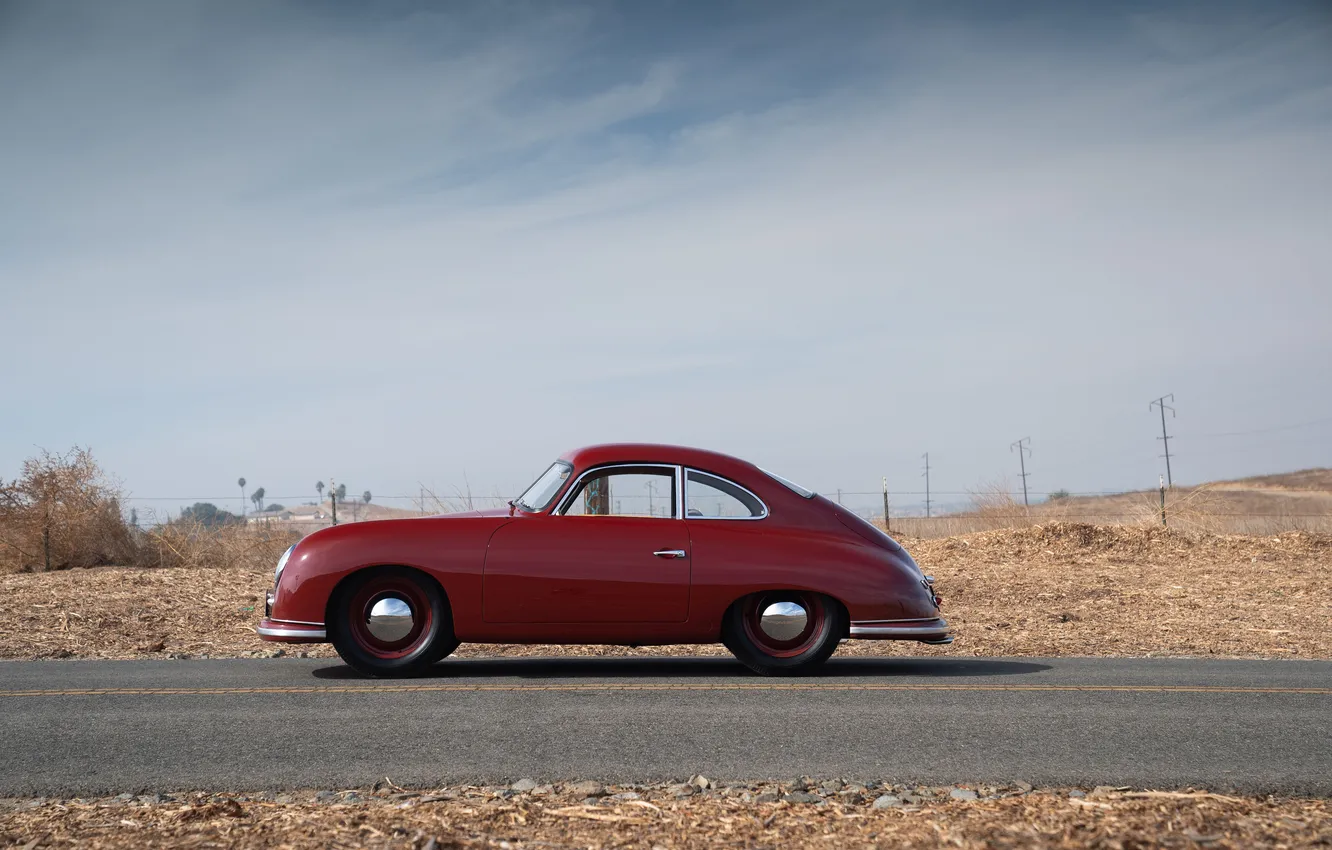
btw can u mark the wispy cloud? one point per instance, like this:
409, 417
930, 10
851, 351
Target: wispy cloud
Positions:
281, 238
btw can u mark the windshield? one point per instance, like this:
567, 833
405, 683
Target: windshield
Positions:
540, 494
808, 494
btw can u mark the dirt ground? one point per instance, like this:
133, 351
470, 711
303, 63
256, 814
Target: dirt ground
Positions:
1061, 589
669, 817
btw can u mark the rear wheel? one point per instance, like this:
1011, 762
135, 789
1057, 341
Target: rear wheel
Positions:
784, 633
391, 621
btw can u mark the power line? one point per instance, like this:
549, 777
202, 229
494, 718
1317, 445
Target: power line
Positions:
1023, 447
1262, 430
1165, 438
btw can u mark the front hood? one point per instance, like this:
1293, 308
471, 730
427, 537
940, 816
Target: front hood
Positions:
488, 512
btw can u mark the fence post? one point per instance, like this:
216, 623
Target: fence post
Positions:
1163, 510
887, 527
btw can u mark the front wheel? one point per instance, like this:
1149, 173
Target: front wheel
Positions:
784, 633
391, 621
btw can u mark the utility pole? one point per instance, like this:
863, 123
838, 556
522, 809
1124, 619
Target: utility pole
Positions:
333, 497
1165, 438
1023, 447
927, 484
652, 489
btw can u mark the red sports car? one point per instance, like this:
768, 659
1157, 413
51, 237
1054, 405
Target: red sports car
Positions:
627, 544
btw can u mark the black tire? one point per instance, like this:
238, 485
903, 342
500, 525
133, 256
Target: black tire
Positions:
430, 636
826, 625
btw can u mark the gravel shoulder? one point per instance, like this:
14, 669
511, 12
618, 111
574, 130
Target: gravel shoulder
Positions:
698, 813
1061, 589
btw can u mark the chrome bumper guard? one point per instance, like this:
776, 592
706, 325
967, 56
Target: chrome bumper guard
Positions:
292, 632
932, 630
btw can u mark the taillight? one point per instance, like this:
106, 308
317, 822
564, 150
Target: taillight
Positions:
928, 584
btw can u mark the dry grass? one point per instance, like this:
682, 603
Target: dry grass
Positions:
194, 546
1059, 589
655, 817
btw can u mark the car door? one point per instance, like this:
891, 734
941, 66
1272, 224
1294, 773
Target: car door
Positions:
614, 550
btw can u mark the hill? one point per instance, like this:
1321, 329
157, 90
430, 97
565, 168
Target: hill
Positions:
1264, 504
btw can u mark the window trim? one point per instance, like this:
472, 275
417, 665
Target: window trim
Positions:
684, 502
677, 481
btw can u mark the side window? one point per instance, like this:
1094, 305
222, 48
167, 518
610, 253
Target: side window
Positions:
710, 497
625, 491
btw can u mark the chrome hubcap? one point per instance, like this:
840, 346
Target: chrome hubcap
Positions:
783, 620
390, 619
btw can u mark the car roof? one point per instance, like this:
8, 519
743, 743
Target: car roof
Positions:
710, 461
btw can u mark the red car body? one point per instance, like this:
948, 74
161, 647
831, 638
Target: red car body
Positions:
519, 575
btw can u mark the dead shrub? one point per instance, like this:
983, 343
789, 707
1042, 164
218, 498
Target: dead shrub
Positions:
62, 511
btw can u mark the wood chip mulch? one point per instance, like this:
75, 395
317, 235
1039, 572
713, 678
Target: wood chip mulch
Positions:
658, 817
1061, 589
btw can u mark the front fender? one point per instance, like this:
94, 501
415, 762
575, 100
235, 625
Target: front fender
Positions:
449, 549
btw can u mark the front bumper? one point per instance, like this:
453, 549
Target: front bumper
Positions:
933, 630
286, 632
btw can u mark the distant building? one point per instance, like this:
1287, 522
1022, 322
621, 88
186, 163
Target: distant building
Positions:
270, 516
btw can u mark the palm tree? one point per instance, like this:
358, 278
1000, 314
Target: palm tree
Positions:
242, 486
342, 492
319, 487
258, 498
365, 497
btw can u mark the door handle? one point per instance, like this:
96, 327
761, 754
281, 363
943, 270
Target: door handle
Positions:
670, 553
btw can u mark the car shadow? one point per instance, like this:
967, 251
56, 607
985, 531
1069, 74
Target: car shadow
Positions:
699, 668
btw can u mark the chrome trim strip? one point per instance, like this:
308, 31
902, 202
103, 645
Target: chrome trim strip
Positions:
297, 622
802, 492
311, 634
569, 494
685, 499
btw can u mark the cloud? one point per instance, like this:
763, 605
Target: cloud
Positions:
400, 245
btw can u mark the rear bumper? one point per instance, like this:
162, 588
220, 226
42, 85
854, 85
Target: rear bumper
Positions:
928, 630
285, 632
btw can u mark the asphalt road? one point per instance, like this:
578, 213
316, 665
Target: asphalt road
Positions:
90, 727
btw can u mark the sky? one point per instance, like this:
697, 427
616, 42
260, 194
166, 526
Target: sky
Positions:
419, 244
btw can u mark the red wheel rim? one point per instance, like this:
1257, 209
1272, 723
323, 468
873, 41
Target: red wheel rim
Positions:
380, 589
782, 646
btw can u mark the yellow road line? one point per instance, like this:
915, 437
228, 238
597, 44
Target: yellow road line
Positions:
389, 688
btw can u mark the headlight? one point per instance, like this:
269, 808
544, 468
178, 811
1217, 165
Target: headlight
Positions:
282, 564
